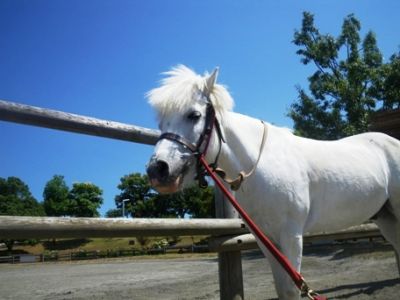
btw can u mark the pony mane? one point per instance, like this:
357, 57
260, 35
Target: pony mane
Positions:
177, 90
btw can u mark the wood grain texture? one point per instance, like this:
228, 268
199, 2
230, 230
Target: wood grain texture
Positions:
42, 117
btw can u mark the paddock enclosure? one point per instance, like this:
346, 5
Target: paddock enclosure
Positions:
229, 235
364, 276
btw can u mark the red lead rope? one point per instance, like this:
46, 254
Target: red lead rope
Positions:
284, 262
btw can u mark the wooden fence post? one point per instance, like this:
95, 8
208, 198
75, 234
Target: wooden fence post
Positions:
229, 263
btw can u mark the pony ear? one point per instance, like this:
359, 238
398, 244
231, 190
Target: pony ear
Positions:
211, 80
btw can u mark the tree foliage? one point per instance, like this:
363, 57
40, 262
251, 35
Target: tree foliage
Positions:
192, 201
17, 200
389, 87
200, 202
350, 81
114, 213
55, 197
136, 188
145, 202
84, 200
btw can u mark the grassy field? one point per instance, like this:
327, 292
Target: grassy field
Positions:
63, 246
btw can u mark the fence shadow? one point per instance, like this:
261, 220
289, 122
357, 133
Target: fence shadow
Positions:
359, 288
64, 244
367, 248
252, 254
345, 250
14, 252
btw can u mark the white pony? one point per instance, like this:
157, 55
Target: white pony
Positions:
300, 185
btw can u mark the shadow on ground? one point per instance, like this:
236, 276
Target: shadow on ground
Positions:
65, 244
367, 288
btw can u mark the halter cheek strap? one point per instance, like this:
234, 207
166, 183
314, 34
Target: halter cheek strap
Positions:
202, 146
204, 137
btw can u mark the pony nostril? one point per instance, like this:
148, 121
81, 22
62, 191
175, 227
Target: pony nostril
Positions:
159, 169
163, 169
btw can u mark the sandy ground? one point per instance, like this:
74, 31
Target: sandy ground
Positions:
361, 272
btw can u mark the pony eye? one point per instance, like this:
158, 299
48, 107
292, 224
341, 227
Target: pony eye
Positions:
194, 116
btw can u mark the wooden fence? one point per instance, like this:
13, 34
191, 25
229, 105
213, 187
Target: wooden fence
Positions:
226, 234
54, 227
52, 256
230, 236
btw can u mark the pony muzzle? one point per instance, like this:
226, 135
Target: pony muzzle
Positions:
161, 179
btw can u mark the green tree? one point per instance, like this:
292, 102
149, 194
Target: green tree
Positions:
350, 81
201, 202
145, 202
55, 197
192, 201
170, 206
388, 88
17, 200
114, 213
84, 200
137, 189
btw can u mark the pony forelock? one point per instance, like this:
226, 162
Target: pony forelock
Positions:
178, 90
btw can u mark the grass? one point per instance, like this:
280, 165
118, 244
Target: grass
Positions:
64, 246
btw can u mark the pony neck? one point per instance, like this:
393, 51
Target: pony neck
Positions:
243, 136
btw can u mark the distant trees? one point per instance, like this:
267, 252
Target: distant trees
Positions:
114, 213
193, 201
196, 202
83, 200
17, 200
55, 197
145, 202
137, 189
350, 82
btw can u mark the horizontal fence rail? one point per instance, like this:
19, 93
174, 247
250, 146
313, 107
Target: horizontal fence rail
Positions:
42, 117
55, 227
247, 241
228, 234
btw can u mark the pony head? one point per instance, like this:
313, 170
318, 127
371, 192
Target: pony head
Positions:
181, 105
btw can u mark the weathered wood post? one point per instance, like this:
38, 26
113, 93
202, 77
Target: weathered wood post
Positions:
229, 263
54, 119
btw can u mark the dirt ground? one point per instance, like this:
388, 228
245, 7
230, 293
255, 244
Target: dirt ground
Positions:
340, 272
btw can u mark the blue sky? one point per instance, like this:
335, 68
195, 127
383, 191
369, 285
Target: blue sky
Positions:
98, 58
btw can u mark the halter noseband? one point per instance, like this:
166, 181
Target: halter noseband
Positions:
204, 137
200, 148
181, 140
